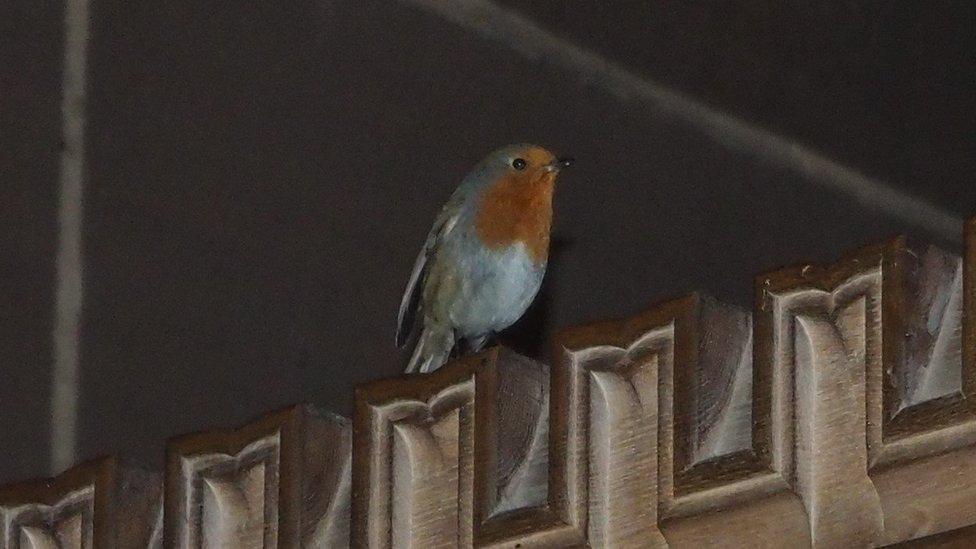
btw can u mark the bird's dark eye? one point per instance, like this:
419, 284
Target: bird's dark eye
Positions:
518, 164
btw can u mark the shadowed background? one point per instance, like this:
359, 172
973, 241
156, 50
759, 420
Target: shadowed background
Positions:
260, 177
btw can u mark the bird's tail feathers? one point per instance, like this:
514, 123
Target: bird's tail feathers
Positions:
433, 349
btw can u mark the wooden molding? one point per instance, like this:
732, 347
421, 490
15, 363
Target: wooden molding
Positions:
327, 480
969, 318
700, 353
237, 487
923, 378
74, 509
81, 508
249, 486
413, 460
512, 460
840, 411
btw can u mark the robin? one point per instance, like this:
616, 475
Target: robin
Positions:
485, 256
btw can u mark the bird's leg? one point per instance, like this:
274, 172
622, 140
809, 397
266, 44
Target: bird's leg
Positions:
475, 344
433, 349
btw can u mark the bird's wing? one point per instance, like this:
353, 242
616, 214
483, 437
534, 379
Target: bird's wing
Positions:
411, 296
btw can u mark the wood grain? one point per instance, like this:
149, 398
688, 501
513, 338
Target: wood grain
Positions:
696, 346
969, 319
923, 377
839, 412
101, 503
831, 455
615, 437
413, 460
75, 509
932, 365
722, 423
326, 480
139, 507
928, 496
238, 487
513, 484
773, 521
519, 447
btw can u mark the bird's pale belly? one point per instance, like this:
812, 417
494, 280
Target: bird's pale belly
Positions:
492, 290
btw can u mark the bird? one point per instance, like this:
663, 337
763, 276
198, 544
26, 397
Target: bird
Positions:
484, 258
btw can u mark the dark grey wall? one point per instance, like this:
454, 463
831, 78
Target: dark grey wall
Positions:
30, 137
261, 176
886, 87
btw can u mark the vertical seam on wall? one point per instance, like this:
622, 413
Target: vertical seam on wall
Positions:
68, 300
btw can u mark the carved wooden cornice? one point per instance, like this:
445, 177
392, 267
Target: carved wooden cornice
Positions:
840, 411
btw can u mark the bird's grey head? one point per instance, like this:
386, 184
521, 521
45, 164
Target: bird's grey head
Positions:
521, 161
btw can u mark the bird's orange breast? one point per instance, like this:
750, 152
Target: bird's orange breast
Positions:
518, 208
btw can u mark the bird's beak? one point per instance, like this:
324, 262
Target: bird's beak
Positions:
559, 164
